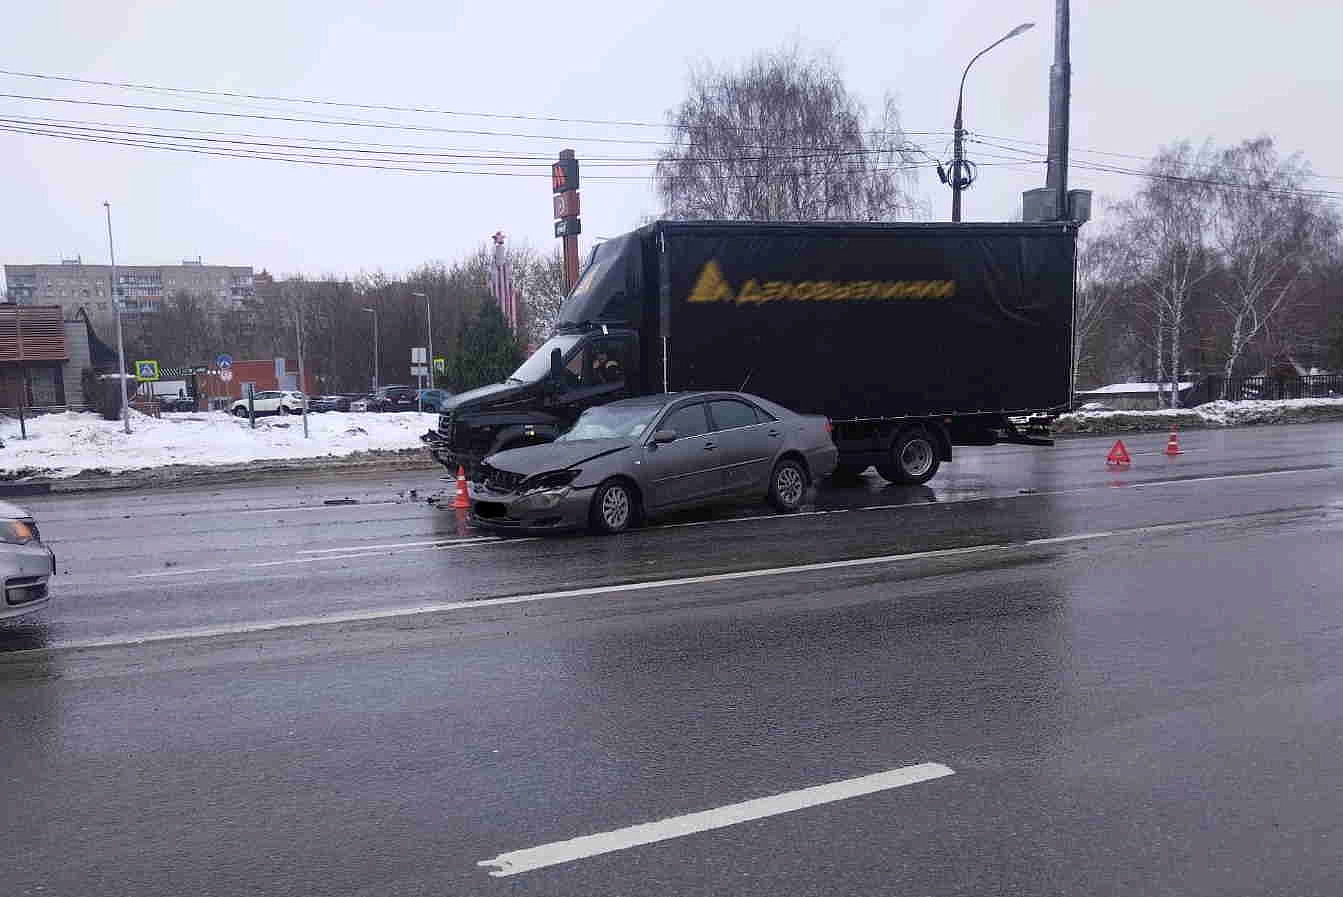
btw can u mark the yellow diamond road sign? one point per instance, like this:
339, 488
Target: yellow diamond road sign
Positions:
146, 370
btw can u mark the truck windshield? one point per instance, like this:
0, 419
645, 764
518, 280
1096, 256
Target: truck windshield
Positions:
535, 368
610, 422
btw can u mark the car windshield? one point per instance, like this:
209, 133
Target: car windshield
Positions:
611, 421
536, 367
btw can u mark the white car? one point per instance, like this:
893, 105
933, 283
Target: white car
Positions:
25, 563
273, 401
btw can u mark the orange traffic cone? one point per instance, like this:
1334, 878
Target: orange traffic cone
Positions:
1119, 456
462, 501
1173, 444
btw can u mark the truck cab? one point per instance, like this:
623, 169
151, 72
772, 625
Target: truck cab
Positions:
570, 373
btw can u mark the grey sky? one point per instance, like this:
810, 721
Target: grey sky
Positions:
1144, 73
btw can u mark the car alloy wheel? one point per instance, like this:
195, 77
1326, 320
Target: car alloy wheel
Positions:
788, 485
613, 507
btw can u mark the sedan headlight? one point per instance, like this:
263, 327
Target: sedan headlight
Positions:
555, 479
18, 532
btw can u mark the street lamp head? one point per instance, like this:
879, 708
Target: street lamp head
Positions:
374, 310
1024, 26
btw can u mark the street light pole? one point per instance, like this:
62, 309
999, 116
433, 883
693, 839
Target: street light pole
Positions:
116, 307
958, 181
375, 346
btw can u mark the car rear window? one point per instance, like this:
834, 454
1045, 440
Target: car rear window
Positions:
729, 414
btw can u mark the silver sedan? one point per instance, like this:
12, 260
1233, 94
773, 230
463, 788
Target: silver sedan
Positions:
650, 455
25, 563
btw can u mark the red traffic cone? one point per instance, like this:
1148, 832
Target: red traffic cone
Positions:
462, 501
1119, 456
1173, 444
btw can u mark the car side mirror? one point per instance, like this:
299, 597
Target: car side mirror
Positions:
662, 437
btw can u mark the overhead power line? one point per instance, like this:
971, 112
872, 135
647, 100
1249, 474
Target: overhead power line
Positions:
387, 107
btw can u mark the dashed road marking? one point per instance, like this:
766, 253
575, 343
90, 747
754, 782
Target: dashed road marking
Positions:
560, 852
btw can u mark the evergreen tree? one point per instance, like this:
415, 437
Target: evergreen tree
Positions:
486, 353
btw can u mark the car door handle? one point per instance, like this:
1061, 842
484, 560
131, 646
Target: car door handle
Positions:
773, 433
709, 446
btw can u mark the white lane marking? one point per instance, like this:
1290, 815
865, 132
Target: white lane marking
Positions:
459, 541
354, 553
176, 572
444, 606
559, 852
752, 517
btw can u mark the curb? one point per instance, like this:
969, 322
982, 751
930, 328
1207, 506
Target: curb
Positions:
178, 476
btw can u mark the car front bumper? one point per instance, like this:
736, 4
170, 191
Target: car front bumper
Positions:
26, 571
549, 511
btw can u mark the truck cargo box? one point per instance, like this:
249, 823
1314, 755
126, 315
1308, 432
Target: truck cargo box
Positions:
862, 321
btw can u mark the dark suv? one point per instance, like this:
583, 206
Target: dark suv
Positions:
393, 398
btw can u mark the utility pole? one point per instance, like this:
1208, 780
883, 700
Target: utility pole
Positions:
429, 342
1060, 94
298, 328
116, 307
374, 312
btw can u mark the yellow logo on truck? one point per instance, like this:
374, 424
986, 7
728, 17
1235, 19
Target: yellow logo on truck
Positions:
712, 286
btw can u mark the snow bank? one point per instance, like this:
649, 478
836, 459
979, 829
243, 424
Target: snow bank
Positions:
63, 445
1211, 414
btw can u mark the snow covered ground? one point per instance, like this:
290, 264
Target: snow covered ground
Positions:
63, 445
1211, 414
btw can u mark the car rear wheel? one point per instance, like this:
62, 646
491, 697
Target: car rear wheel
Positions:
613, 507
913, 458
787, 486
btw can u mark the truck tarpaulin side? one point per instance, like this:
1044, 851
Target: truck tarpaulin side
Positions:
858, 321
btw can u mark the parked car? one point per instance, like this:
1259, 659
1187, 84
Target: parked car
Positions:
333, 402
26, 564
177, 403
648, 455
273, 401
431, 399
393, 398
361, 403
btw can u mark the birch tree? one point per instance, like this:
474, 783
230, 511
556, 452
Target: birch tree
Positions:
1269, 231
1165, 227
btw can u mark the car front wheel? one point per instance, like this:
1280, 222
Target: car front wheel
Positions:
787, 486
240, 411
613, 507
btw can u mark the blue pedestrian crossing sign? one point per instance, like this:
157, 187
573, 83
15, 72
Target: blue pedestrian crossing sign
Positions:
146, 370
224, 362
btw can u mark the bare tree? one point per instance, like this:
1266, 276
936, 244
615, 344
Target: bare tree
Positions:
1165, 227
1270, 231
782, 139
1098, 263
540, 282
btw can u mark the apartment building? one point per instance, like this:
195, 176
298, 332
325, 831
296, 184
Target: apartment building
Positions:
74, 285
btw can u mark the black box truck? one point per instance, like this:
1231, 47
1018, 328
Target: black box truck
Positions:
911, 338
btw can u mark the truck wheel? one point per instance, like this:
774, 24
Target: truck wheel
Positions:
613, 507
787, 486
913, 458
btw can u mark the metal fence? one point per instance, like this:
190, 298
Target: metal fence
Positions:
1239, 389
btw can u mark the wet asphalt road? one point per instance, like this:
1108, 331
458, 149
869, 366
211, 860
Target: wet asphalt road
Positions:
1135, 677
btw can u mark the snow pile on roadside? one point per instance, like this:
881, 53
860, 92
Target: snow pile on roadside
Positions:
63, 445
1211, 414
